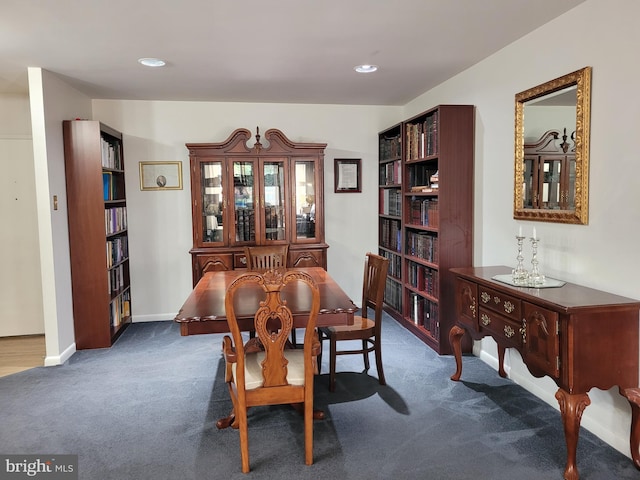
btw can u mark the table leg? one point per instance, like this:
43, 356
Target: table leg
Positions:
455, 337
571, 407
501, 371
633, 396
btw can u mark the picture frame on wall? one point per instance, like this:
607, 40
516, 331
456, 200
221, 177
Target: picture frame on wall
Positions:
160, 175
348, 175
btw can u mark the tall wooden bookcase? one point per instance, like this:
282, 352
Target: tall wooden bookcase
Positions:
426, 217
97, 215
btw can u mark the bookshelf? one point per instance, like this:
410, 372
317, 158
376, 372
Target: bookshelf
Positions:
426, 217
97, 217
244, 193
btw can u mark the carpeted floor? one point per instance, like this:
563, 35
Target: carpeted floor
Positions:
146, 409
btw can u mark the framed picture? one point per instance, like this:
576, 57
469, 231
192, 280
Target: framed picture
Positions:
347, 174
160, 175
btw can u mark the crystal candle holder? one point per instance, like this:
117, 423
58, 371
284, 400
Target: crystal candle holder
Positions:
519, 274
535, 277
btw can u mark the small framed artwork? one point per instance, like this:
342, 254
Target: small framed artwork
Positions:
160, 175
348, 175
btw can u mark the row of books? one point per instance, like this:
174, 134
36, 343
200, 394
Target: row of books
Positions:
390, 234
424, 313
115, 219
117, 278
111, 157
390, 147
422, 245
423, 278
393, 294
391, 173
245, 225
395, 263
422, 178
422, 138
110, 187
424, 212
120, 309
390, 201
117, 250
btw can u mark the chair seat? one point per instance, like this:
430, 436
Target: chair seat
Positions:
253, 368
360, 324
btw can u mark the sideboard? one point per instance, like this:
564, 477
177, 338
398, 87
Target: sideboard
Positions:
579, 337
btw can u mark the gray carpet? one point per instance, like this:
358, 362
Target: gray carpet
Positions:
146, 409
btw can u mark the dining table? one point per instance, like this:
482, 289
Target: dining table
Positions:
204, 312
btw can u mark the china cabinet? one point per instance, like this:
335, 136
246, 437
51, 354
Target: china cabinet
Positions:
261, 194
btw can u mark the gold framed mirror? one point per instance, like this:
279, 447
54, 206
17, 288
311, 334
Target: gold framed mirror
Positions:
552, 150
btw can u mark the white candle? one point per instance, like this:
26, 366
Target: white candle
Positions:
520, 231
534, 233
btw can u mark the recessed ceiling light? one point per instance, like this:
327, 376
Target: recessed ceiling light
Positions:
152, 62
366, 68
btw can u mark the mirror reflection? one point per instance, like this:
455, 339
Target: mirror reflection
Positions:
552, 156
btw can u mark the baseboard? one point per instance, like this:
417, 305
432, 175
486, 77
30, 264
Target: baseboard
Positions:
53, 360
156, 317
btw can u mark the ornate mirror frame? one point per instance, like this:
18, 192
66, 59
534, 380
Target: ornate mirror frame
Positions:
581, 79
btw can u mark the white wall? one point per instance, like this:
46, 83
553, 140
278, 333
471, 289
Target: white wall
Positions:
603, 254
160, 221
53, 101
20, 295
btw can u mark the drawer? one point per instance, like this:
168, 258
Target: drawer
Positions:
505, 331
499, 302
466, 303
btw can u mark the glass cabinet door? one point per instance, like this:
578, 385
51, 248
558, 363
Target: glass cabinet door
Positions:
244, 195
274, 215
305, 199
212, 202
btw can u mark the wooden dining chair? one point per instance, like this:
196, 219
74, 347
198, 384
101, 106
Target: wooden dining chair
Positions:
264, 372
267, 257
365, 329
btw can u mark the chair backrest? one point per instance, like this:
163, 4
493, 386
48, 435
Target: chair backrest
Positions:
273, 323
376, 268
267, 257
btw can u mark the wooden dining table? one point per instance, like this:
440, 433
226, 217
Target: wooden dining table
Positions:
203, 311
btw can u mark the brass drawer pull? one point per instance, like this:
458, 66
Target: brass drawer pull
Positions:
486, 320
508, 331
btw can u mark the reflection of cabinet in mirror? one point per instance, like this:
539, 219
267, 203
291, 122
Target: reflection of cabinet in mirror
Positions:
245, 195
549, 172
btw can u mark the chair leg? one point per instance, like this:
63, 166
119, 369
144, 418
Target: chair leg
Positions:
244, 439
332, 364
365, 355
293, 338
378, 351
308, 432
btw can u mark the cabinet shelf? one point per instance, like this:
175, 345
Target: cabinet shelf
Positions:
434, 231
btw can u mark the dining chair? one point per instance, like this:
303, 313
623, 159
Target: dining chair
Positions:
266, 257
364, 328
264, 371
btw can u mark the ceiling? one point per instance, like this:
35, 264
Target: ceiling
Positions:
280, 51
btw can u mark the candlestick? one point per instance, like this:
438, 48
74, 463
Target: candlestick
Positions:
519, 274
535, 277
